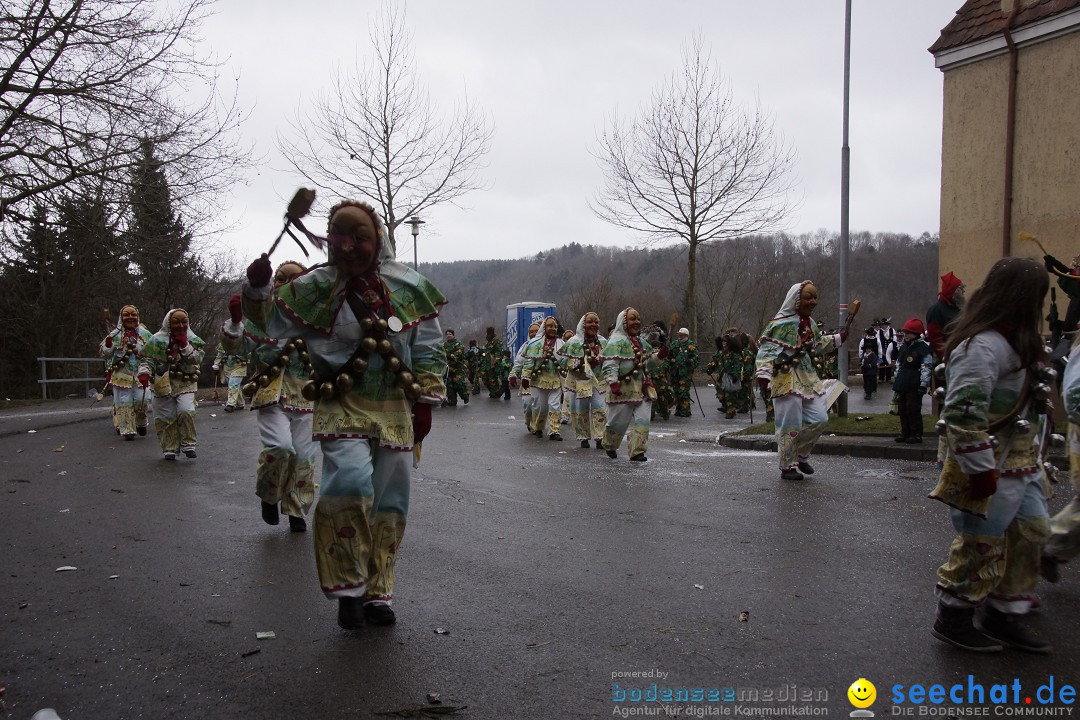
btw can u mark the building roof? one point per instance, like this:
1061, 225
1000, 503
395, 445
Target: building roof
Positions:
979, 19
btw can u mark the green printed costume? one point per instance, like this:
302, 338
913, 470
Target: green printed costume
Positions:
456, 371
682, 361
174, 373
489, 360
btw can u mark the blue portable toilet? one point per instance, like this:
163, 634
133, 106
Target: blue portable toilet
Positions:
519, 317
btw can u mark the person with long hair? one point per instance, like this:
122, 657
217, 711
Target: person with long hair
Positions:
992, 478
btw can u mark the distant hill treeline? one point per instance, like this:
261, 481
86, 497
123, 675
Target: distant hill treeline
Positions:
741, 282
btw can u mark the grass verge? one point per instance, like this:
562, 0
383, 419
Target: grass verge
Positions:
881, 424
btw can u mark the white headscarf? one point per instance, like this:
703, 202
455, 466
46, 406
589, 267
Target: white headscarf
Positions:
164, 332
790, 307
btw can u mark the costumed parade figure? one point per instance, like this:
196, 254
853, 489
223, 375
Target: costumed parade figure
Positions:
285, 473
914, 361
628, 362
540, 371
789, 363
725, 368
682, 361
886, 337
567, 388
868, 363
472, 362
370, 328
456, 370
993, 479
944, 310
121, 349
747, 361
1064, 543
581, 361
233, 366
489, 359
528, 406
170, 360
657, 336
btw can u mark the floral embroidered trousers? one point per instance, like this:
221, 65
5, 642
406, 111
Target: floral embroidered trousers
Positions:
799, 423
286, 469
635, 416
360, 517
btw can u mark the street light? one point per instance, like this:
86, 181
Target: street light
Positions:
415, 222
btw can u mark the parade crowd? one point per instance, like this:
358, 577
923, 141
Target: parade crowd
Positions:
348, 358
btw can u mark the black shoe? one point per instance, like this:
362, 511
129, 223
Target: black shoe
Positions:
866, 397
465, 399
1048, 568
297, 524
270, 513
639, 458
585, 444
955, 626
612, 454
1008, 630
379, 614
539, 433
806, 468
728, 416
915, 440
791, 474
350, 613
506, 396
599, 444
900, 439
189, 452
141, 430
444, 404
555, 436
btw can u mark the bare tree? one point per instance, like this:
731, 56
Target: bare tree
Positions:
84, 82
377, 135
694, 167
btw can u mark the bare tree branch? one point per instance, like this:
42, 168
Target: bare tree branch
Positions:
693, 167
375, 133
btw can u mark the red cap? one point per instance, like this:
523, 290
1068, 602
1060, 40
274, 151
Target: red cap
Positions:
914, 325
949, 284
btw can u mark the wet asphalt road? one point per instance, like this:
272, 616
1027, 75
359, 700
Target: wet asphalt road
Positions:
549, 568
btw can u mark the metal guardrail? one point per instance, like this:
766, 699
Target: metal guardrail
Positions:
45, 380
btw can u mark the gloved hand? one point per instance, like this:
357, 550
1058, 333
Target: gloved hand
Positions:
843, 336
524, 383
421, 422
763, 384
235, 311
662, 353
108, 341
1052, 264
616, 388
984, 484
260, 271
144, 379
513, 382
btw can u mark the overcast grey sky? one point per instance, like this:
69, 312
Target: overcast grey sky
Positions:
549, 75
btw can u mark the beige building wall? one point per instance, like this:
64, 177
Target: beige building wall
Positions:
1046, 173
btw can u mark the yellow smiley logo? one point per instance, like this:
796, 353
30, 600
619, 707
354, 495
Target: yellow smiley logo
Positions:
862, 693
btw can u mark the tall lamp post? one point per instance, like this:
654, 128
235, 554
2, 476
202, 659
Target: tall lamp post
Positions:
415, 222
845, 163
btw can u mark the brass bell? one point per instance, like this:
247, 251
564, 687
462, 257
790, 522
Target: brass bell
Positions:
368, 345
310, 391
405, 378
366, 324
384, 347
299, 343
939, 393
174, 368
393, 364
1048, 375
193, 377
249, 389
383, 324
275, 370
290, 346
994, 442
939, 373
1042, 392
415, 391
1057, 440
940, 426
327, 391
344, 382
313, 375
304, 356
283, 359
263, 380
359, 365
